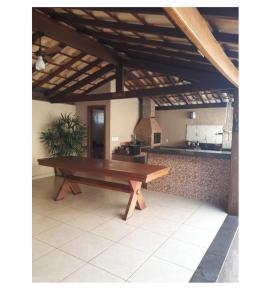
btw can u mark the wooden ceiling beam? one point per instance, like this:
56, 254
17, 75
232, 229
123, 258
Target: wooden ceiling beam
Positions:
104, 37
226, 37
85, 81
165, 66
76, 20
35, 36
74, 76
191, 106
107, 36
228, 12
120, 78
158, 30
59, 70
102, 82
190, 21
188, 88
70, 37
137, 10
124, 47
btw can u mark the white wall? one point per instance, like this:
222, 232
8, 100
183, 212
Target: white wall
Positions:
124, 117
173, 123
43, 113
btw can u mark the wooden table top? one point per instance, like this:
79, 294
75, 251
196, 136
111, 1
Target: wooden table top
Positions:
119, 169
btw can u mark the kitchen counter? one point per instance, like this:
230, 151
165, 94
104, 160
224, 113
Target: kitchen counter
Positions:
194, 174
224, 154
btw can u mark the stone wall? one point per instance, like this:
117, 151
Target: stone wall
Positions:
206, 179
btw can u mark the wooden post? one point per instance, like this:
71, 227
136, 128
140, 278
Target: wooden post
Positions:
119, 78
233, 201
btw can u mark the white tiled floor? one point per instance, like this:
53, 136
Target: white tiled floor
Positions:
83, 238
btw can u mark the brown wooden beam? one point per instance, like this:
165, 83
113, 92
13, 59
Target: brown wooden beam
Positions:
153, 65
137, 40
74, 76
188, 88
120, 78
75, 20
85, 81
191, 106
159, 30
70, 37
38, 95
102, 82
59, 70
35, 36
154, 51
228, 12
190, 21
137, 10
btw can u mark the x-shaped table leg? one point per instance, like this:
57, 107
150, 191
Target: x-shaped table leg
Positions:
136, 199
66, 186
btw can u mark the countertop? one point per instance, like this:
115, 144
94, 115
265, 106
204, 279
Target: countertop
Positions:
224, 154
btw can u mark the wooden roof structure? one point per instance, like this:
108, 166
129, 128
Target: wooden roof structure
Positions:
144, 49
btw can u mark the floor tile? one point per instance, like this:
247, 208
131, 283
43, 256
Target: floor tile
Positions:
89, 228
59, 235
112, 210
89, 273
86, 246
143, 240
113, 230
83, 204
170, 214
86, 221
54, 266
44, 208
42, 223
157, 270
39, 248
194, 235
181, 253
120, 260
207, 217
64, 214
160, 226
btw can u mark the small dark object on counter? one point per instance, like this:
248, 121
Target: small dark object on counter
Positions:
134, 149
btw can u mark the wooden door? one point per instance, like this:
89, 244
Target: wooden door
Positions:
96, 131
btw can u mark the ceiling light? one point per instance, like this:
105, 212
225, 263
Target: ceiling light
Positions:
40, 64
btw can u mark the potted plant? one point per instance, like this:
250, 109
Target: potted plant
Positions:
66, 137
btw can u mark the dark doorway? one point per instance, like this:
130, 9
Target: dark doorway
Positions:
96, 131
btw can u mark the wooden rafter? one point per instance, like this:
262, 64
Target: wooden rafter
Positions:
195, 27
191, 106
86, 80
164, 68
138, 10
188, 88
120, 78
105, 36
71, 78
70, 37
126, 47
159, 30
59, 70
228, 12
102, 82
73, 19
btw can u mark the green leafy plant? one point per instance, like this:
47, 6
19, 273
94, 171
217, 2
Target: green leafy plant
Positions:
66, 137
